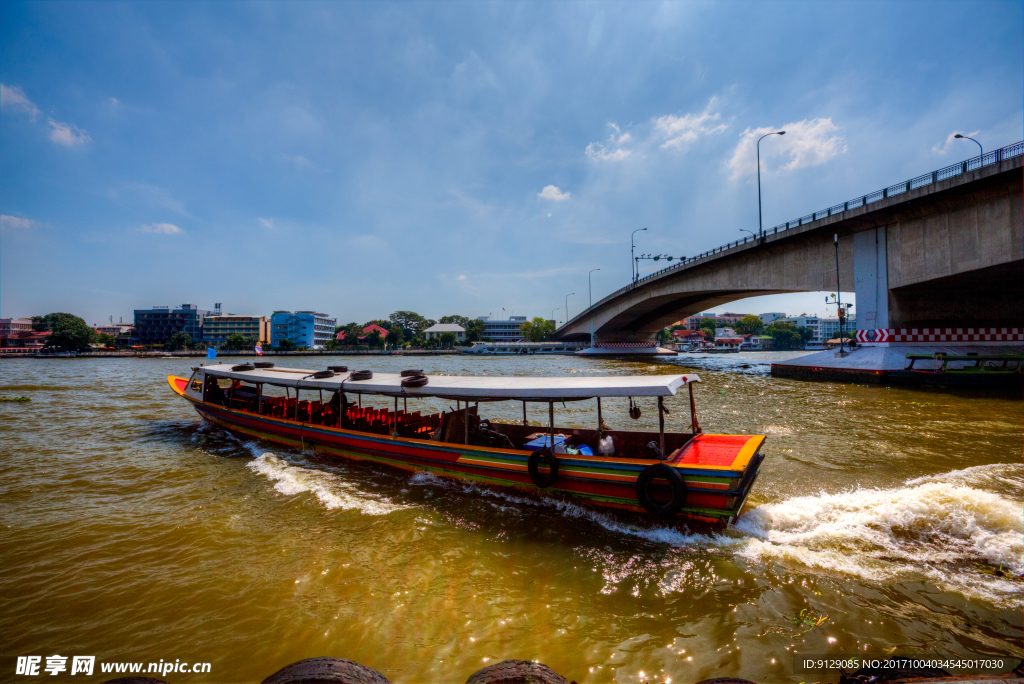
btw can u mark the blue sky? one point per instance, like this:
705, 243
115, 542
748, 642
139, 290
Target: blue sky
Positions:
361, 158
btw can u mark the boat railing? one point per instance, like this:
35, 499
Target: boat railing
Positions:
974, 363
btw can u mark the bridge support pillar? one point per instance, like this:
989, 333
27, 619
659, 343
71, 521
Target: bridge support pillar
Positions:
871, 279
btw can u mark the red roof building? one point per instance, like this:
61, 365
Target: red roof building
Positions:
368, 330
25, 340
690, 335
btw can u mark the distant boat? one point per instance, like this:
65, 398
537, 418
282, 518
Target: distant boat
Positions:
661, 474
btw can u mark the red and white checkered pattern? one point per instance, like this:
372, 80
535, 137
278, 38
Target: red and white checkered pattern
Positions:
609, 345
943, 335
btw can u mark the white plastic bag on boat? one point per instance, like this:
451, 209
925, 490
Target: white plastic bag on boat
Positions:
606, 447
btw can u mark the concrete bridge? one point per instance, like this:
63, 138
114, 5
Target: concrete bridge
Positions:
943, 250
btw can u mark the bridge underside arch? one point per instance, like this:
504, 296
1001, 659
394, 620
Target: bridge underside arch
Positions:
644, 318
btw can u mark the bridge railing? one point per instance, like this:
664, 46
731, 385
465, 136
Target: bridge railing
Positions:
972, 164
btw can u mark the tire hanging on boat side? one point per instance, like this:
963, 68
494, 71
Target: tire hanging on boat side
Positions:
676, 483
533, 465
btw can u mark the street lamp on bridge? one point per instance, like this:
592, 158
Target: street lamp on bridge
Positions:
632, 253
760, 229
567, 305
553, 314
974, 141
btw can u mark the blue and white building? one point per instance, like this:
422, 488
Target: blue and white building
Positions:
305, 328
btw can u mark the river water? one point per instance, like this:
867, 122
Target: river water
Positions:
132, 531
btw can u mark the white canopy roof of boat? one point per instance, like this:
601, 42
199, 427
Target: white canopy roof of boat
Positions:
475, 388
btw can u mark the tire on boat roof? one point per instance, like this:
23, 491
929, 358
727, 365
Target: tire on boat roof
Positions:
516, 672
243, 367
361, 375
338, 369
676, 483
264, 364
533, 465
415, 381
336, 670
320, 375
410, 373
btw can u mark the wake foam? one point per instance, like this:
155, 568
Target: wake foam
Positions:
933, 527
330, 490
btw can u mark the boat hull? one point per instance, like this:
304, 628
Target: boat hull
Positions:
714, 494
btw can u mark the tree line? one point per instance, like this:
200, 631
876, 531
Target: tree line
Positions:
71, 333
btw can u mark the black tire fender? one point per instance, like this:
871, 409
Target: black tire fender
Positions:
533, 465
242, 367
361, 375
339, 670
414, 381
321, 375
411, 373
263, 364
675, 481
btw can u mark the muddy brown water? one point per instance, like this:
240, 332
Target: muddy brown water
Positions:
132, 531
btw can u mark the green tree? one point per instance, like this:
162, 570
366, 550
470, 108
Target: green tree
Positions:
179, 341
395, 337
104, 339
474, 330
286, 345
373, 339
70, 334
456, 320
49, 322
787, 336
664, 335
537, 330
352, 332
448, 340
332, 345
749, 325
238, 341
708, 325
410, 322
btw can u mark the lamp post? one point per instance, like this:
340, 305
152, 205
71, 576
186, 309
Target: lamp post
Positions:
752, 233
590, 292
631, 253
760, 229
974, 141
567, 305
553, 313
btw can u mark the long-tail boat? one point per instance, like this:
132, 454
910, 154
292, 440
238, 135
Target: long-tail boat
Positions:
667, 475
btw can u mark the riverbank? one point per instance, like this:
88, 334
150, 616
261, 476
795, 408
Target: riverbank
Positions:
197, 354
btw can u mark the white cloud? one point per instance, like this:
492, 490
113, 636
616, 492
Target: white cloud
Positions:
551, 192
162, 228
810, 142
951, 139
612, 149
15, 222
678, 131
152, 195
68, 135
13, 97
461, 277
266, 223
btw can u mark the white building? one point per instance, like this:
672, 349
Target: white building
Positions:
505, 330
725, 332
830, 327
771, 317
812, 323
438, 329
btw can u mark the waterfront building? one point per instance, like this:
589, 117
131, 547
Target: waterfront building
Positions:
729, 317
771, 317
688, 339
368, 330
812, 323
725, 332
504, 330
305, 328
217, 328
693, 322
13, 325
438, 329
830, 327
159, 324
115, 329
24, 339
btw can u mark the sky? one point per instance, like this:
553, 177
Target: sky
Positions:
474, 158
